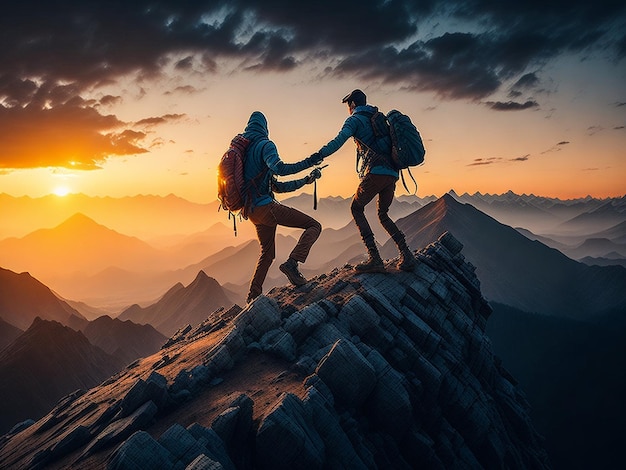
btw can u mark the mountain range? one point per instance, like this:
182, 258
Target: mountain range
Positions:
514, 270
142, 216
180, 305
23, 298
562, 311
59, 351
83, 260
46, 362
368, 371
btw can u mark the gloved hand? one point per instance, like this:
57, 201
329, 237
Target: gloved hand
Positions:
315, 174
315, 159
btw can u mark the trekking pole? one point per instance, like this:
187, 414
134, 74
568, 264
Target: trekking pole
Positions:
315, 188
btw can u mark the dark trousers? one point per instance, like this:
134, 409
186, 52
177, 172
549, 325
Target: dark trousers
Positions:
265, 219
371, 185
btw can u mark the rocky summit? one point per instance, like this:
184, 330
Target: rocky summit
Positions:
350, 371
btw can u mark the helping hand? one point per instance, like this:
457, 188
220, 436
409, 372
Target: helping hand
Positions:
315, 159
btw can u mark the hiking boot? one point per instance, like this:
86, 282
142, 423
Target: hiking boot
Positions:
290, 269
373, 265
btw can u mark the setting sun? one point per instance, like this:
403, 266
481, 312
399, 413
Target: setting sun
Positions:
61, 191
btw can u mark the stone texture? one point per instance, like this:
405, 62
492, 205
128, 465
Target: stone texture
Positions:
138, 452
287, 438
347, 373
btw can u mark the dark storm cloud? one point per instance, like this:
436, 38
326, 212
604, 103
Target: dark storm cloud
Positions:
511, 105
53, 53
90, 42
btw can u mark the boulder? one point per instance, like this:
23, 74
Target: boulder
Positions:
348, 375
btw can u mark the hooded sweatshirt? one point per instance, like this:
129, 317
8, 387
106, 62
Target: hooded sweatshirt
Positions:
263, 163
358, 125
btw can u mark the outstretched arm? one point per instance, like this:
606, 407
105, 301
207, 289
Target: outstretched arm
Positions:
278, 167
293, 185
347, 131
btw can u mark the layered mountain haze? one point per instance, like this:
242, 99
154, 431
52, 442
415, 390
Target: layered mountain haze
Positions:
603, 218
515, 270
45, 363
77, 245
8, 333
350, 371
23, 298
543, 215
141, 216
181, 305
123, 339
105, 268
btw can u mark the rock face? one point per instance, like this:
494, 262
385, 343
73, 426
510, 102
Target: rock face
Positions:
397, 372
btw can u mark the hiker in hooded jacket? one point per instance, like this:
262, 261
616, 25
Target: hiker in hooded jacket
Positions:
378, 178
262, 165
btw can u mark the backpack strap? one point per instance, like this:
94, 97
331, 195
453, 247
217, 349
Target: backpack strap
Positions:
404, 182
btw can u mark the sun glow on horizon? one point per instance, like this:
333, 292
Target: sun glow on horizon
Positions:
61, 191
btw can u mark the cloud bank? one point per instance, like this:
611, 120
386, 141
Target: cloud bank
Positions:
52, 55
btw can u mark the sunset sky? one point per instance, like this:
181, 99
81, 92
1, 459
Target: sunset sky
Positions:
116, 98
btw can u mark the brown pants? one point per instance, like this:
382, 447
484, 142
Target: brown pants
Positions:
371, 185
265, 219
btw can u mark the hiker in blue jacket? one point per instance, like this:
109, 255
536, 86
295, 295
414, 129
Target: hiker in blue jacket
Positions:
377, 175
261, 167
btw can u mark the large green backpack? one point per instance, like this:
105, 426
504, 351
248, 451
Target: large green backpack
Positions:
407, 148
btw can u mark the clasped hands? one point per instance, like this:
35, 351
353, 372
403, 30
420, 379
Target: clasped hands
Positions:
316, 173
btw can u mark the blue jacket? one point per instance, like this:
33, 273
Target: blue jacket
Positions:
263, 164
359, 126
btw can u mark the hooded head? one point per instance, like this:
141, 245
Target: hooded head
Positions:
257, 126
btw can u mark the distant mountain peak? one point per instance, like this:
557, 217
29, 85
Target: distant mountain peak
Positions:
79, 219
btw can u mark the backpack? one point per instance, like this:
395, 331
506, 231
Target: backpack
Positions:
407, 148
232, 191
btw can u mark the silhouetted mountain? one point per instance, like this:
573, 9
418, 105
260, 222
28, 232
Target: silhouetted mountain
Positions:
123, 339
545, 240
87, 311
514, 270
599, 244
78, 244
350, 371
45, 363
573, 375
23, 298
142, 216
181, 305
602, 218
8, 333
232, 264
514, 210
596, 247
617, 261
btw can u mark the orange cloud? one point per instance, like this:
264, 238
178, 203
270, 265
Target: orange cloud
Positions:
68, 135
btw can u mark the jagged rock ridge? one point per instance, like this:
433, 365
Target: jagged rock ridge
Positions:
397, 372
